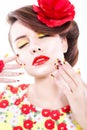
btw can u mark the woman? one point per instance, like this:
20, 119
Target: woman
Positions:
44, 39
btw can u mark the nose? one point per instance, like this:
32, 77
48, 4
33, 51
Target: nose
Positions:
35, 50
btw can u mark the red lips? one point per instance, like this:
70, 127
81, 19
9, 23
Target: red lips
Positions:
40, 60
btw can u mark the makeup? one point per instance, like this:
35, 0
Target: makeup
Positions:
22, 42
52, 75
40, 34
39, 60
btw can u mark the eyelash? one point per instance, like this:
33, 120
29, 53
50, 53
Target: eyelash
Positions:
44, 36
23, 45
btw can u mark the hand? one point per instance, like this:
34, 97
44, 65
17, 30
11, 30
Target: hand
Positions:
8, 70
75, 90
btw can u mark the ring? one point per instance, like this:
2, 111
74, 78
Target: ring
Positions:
1, 65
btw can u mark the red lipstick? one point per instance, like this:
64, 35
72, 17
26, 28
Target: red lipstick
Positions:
40, 60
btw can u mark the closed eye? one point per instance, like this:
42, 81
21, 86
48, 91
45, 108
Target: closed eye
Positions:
23, 45
43, 36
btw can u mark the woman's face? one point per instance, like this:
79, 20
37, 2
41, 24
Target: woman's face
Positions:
38, 52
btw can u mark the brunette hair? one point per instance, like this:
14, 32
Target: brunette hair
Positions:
69, 30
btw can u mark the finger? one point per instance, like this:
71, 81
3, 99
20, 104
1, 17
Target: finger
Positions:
9, 59
60, 81
67, 78
11, 66
5, 80
74, 76
12, 74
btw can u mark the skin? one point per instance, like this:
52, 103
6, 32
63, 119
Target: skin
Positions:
7, 70
64, 87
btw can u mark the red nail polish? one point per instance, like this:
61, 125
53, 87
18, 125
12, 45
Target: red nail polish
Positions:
60, 63
17, 55
57, 66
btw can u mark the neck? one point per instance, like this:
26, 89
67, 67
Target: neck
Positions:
45, 87
46, 94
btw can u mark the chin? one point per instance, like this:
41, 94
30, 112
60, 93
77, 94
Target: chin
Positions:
42, 72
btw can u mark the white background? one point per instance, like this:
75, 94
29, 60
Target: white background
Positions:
81, 18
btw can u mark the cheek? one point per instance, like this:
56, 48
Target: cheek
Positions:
57, 52
60, 54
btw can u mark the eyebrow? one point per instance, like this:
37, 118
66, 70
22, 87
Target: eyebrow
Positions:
23, 36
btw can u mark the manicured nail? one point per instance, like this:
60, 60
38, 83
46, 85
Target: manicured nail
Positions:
17, 80
17, 55
63, 61
78, 71
52, 75
22, 65
21, 73
6, 55
60, 63
57, 66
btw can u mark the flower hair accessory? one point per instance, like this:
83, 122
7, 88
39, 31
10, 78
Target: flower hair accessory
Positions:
1, 65
54, 13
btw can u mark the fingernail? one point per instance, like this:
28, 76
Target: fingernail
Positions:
52, 75
17, 80
60, 63
21, 73
6, 55
17, 55
78, 71
57, 66
63, 61
22, 65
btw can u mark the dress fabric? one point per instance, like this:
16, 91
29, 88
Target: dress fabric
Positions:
16, 113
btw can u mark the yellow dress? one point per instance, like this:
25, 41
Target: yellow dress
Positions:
16, 113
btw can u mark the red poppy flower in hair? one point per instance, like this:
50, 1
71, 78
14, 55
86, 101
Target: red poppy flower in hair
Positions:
54, 13
1, 65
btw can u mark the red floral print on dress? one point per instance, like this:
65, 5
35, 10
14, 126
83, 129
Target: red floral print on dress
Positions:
17, 128
62, 126
28, 124
23, 97
54, 13
46, 112
1, 95
14, 90
17, 102
4, 103
1, 65
66, 109
49, 124
25, 109
32, 108
55, 114
23, 86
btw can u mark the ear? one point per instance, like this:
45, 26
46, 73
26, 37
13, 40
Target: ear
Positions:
64, 45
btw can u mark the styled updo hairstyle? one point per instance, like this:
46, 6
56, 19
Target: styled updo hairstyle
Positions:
69, 30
